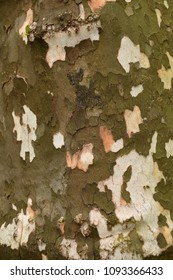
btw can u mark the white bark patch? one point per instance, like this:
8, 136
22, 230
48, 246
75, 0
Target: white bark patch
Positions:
159, 16
117, 248
25, 128
27, 22
81, 11
145, 173
68, 248
117, 146
14, 207
86, 157
113, 243
130, 53
169, 148
100, 222
58, 140
166, 75
154, 143
133, 119
166, 4
85, 229
143, 208
135, 90
17, 233
62, 39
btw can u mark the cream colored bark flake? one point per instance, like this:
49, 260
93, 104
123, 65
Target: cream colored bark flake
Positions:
130, 53
145, 175
166, 4
25, 128
159, 16
58, 140
133, 119
17, 233
27, 22
169, 148
166, 75
135, 90
68, 249
62, 39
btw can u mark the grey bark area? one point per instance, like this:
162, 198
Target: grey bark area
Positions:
86, 129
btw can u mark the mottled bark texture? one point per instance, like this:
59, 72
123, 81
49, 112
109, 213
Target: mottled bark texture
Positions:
86, 129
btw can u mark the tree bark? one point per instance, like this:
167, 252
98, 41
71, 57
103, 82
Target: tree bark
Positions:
86, 129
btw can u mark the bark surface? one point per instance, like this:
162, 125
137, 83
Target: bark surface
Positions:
86, 129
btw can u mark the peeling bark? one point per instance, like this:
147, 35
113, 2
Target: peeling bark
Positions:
86, 129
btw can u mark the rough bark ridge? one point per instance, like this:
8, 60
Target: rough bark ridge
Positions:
86, 129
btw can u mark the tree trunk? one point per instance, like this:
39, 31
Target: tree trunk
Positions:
86, 129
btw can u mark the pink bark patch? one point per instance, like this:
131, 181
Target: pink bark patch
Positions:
96, 4
81, 159
72, 160
107, 138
